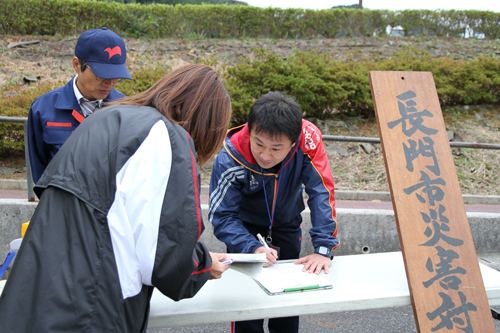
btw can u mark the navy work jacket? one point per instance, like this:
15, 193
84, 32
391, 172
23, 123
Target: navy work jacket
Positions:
51, 120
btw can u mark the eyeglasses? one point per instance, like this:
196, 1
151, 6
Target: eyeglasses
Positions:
113, 81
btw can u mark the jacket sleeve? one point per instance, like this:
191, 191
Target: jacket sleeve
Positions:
155, 236
182, 264
38, 151
318, 181
182, 279
226, 182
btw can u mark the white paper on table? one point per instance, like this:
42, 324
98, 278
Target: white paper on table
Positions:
251, 269
277, 278
248, 257
248, 263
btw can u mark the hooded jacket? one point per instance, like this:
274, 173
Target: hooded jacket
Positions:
51, 120
237, 191
118, 215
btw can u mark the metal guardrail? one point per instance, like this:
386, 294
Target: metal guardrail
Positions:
377, 140
29, 179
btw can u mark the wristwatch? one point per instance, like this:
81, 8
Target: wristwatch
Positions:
324, 251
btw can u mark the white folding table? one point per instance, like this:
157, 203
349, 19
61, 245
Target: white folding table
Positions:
359, 282
364, 281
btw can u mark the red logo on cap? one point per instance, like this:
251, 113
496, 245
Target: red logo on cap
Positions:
113, 51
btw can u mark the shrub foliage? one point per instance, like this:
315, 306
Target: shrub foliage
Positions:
72, 17
323, 86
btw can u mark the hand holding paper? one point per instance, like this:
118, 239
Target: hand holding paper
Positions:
217, 267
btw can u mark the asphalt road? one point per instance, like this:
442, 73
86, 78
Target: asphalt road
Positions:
386, 320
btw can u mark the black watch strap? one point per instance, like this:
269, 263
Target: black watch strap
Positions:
324, 251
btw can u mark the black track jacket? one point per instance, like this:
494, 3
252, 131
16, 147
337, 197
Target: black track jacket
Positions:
119, 214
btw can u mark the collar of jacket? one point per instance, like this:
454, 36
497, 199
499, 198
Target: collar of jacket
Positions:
67, 99
237, 144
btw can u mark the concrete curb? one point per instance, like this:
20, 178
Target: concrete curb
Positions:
360, 230
13, 184
386, 196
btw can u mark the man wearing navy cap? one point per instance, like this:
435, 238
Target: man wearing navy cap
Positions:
99, 62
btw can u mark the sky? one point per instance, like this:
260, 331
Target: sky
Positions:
492, 5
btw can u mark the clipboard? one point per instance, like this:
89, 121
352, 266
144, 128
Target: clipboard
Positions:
287, 278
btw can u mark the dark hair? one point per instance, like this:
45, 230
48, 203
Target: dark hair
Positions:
83, 64
194, 97
276, 115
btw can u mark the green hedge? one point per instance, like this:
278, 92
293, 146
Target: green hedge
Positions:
72, 17
323, 86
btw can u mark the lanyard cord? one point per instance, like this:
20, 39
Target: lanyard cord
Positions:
271, 217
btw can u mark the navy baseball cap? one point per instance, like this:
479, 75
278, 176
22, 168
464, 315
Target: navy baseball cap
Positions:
105, 53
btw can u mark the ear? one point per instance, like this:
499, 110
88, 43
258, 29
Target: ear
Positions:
76, 65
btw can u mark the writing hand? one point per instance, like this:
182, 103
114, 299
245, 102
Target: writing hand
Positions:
315, 263
272, 259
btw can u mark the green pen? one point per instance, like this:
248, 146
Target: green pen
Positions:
287, 290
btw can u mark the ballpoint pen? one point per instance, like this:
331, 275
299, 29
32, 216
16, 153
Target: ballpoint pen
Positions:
227, 261
263, 242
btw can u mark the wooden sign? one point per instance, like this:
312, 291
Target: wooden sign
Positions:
444, 279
